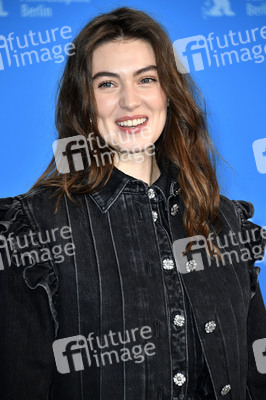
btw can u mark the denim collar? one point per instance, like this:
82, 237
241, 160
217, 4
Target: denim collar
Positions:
121, 182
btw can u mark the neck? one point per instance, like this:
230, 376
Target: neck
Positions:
147, 170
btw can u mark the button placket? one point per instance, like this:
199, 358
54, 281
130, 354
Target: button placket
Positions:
173, 286
152, 196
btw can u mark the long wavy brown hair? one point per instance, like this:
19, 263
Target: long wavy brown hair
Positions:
185, 140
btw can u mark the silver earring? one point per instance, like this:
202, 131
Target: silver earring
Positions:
167, 102
90, 120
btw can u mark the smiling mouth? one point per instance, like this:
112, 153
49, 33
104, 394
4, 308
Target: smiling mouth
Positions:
132, 122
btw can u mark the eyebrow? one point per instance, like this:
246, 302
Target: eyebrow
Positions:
112, 74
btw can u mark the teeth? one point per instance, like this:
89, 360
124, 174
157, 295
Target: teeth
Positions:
132, 122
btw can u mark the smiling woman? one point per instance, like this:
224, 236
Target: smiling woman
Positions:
142, 85
133, 180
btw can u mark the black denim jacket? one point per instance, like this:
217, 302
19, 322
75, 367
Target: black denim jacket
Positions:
107, 273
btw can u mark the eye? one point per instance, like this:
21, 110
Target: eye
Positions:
109, 84
148, 80
106, 84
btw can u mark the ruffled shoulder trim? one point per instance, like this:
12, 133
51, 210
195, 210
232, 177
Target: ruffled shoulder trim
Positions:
18, 250
12, 217
256, 239
244, 209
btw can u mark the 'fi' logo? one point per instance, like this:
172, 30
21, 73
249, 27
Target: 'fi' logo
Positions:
259, 349
193, 53
6, 256
259, 150
198, 250
71, 354
4, 45
71, 154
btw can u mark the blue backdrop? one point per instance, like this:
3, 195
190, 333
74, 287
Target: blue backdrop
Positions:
221, 43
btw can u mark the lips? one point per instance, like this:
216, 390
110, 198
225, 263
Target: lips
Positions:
132, 124
131, 117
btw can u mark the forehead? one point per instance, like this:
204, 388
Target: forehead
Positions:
123, 56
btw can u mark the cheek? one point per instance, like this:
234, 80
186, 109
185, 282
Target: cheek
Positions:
158, 101
105, 105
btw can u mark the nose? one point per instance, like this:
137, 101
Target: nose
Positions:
129, 98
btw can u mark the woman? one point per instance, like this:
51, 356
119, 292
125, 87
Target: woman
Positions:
104, 294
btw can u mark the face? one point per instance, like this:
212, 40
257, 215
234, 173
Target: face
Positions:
131, 105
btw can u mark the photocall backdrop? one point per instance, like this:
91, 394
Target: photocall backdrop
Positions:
221, 43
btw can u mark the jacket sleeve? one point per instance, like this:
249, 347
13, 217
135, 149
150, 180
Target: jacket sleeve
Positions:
256, 322
28, 308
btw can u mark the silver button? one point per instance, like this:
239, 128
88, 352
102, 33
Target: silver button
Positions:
168, 263
179, 379
179, 320
154, 216
210, 326
226, 389
176, 192
151, 193
191, 265
174, 210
